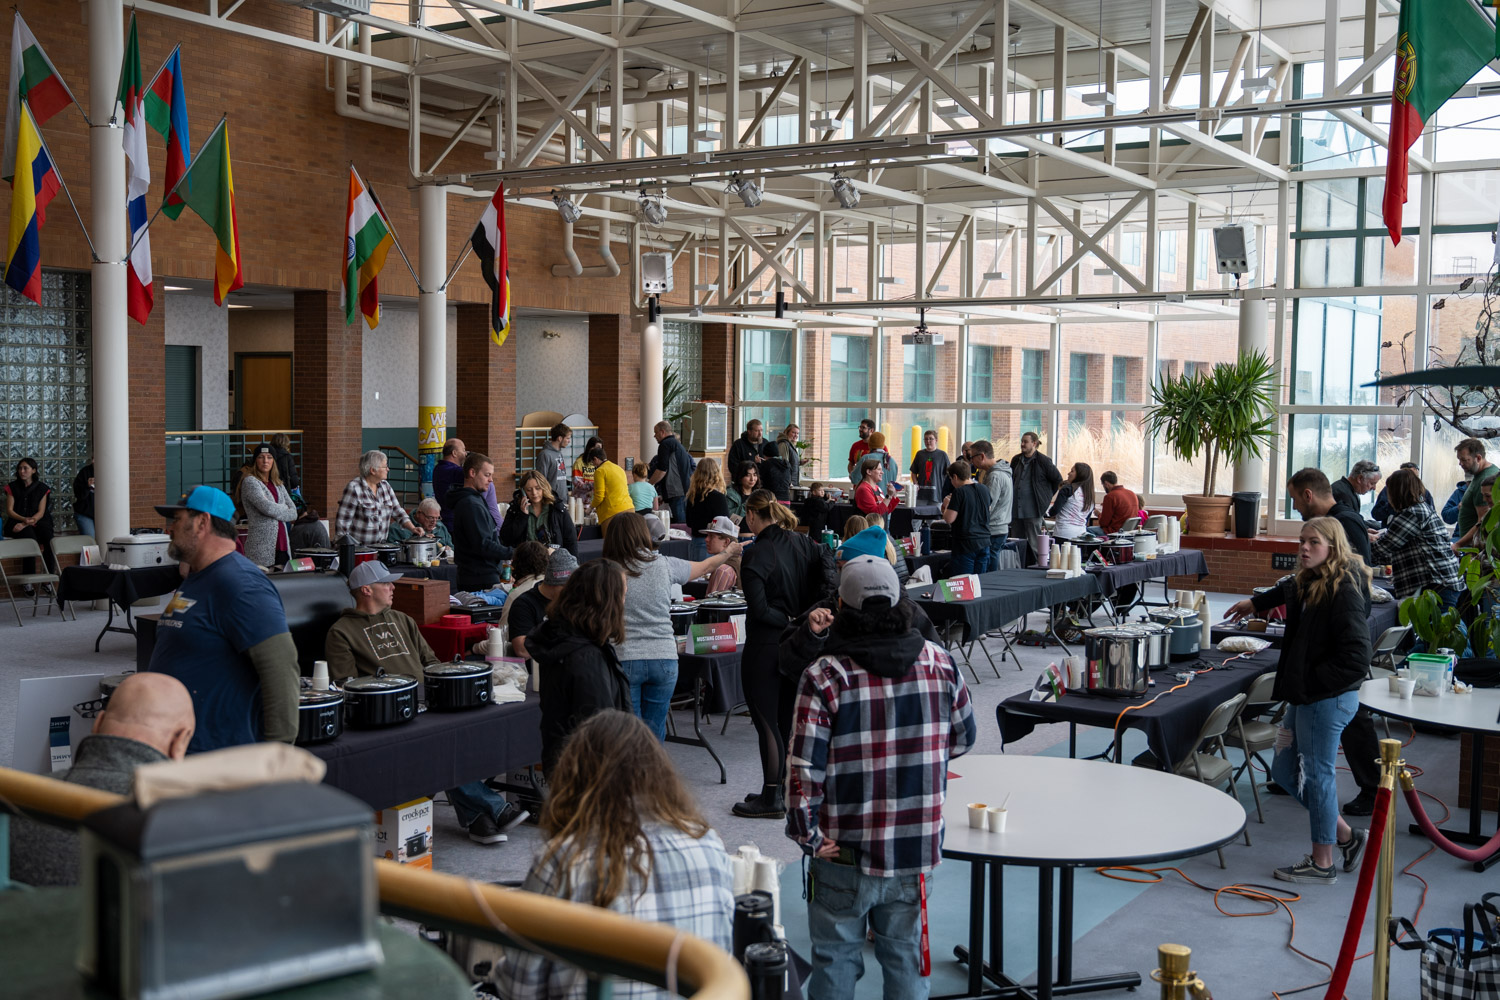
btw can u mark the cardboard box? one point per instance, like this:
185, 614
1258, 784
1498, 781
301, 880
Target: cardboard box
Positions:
404, 833
424, 600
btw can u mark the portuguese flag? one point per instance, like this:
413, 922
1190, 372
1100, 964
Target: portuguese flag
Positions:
1440, 45
209, 184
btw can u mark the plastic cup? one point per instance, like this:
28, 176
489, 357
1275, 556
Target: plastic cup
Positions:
1395, 684
1407, 686
976, 815
996, 818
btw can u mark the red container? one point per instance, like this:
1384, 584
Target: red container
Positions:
363, 556
448, 641
455, 621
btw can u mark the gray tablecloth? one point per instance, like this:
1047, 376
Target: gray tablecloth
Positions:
1184, 562
1004, 596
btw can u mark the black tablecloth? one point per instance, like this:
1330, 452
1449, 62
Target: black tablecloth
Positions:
1004, 596
442, 571
899, 522
594, 549
722, 689
1184, 562
1382, 617
123, 586
386, 767
1171, 724
1009, 559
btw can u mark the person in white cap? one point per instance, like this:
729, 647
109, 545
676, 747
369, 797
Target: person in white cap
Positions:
720, 534
875, 833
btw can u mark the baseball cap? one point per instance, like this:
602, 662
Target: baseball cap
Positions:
369, 573
658, 529
865, 578
870, 542
203, 500
560, 567
722, 525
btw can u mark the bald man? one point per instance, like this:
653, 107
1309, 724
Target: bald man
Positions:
149, 719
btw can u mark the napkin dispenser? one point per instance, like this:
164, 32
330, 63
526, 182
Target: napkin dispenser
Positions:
228, 894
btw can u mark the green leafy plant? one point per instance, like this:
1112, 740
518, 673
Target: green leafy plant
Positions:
1480, 569
673, 395
1227, 413
1437, 628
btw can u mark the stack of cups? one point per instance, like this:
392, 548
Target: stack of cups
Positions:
320, 675
766, 877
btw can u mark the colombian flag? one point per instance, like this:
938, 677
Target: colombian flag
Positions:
494, 261
166, 113
210, 193
34, 182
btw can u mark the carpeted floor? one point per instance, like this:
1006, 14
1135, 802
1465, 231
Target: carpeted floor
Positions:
1118, 924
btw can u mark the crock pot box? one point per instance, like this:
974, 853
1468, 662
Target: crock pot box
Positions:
404, 833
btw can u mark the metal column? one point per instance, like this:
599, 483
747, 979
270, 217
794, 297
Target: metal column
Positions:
432, 331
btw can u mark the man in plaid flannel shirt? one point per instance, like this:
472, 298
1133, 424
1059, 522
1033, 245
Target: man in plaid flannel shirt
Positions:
878, 717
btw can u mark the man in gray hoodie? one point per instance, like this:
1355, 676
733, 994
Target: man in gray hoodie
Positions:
997, 478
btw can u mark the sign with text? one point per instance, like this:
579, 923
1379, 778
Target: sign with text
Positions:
958, 588
1283, 560
716, 638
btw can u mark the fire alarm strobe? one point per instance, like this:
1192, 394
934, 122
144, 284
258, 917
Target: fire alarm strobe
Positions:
656, 273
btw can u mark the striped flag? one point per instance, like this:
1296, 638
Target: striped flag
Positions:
367, 241
131, 95
494, 261
34, 182
209, 183
35, 80
166, 112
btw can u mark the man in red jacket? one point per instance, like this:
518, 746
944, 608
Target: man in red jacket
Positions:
1119, 505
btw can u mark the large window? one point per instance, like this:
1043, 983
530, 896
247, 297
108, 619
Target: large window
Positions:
1033, 379
919, 373
849, 381
767, 373
981, 390
1119, 389
1078, 387
1166, 251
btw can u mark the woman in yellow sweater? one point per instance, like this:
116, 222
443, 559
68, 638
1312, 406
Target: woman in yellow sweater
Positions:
611, 490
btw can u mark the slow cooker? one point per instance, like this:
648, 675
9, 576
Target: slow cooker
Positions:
717, 610
1187, 631
1119, 550
455, 686
320, 717
381, 700
322, 558
1117, 660
419, 551
1145, 541
684, 617
387, 552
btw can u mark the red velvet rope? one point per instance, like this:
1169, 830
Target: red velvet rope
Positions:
1432, 833
1356, 923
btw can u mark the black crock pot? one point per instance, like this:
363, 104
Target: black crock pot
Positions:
322, 558
684, 617
717, 610
320, 717
388, 553
382, 700
454, 686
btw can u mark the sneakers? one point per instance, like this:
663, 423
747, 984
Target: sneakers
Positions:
513, 816
1276, 789
1351, 849
1361, 805
1308, 873
486, 831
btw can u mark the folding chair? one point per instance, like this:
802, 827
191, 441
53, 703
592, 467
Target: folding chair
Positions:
69, 545
1253, 735
26, 548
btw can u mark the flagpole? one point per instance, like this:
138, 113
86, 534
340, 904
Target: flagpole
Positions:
168, 196
87, 120
163, 66
62, 184
394, 238
468, 249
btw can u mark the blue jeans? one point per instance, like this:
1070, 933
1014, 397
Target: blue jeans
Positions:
697, 548
1315, 745
86, 526
839, 902
969, 562
678, 506
473, 799
1096, 531
651, 685
997, 546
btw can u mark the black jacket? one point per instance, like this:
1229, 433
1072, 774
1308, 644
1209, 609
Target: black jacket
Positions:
783, 574
286, 468
814, 514
1035, 482
83, 493
578, 680
557, 527
477, 549
744, 450
1326, 650
775, 472
701, 512
1355, 530
888, 656
1343, 492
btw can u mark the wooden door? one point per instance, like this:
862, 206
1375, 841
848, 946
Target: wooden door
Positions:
265, 391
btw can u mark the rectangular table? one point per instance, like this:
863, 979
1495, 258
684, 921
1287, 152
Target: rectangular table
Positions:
1171, 723
437, 750
899, 522
121, 587
1184, 562
1382, 617
713, 680
1009, 559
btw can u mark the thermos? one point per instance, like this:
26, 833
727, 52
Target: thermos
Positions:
766, 965
753, 914
346, 555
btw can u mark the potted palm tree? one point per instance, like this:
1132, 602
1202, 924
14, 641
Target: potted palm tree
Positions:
1228, 413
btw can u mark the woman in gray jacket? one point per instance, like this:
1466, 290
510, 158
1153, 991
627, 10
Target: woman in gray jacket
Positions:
268, 507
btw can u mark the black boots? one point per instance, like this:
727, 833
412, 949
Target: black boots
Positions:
769, 804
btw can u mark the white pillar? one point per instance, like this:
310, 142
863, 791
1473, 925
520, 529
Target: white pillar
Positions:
1250, 473
651, 373
107, 220
432, 330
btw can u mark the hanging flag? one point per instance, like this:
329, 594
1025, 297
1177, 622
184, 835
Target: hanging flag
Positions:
367, 241
132, 96
166, 112
1440, 45
34, 183
209, 187
494, 262
35, 80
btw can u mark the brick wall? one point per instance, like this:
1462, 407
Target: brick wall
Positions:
486, 418
148, 353
1236, 565
1489, 788
614, 383
327, 378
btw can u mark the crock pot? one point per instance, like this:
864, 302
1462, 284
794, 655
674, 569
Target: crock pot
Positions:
1158, 643
715, 610
455, 686
1117, 664
1145, 541
419, 551
684, 617
320, 717
1119, 550
322, 558
1187, 631
381, 700
387, 552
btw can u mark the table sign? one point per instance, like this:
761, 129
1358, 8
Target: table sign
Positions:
958, 588
719, 637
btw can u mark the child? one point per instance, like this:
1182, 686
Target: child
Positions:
642, 493
815, 511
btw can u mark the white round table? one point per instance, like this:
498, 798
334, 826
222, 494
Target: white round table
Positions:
1065, 814
1476, 713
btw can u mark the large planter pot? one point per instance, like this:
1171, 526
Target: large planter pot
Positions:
1207, 515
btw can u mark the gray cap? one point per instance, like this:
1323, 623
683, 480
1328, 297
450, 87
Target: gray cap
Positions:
370, 572
866, 577
722, 525
560, 567
658, 529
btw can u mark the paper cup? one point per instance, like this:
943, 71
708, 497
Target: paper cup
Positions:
1407, 685
976, 815
1395, 684
996, 819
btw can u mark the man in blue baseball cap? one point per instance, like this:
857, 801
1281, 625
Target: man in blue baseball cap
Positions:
224, 632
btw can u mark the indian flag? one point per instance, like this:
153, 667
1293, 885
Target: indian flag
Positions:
34, 79
367, 241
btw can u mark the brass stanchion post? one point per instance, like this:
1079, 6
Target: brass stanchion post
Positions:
1178, 982
1385, 874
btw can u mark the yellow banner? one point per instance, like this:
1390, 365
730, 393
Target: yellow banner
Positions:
432, 431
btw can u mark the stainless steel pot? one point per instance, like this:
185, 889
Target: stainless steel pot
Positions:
1117, 664
1187, 631
1158, 644
420, 551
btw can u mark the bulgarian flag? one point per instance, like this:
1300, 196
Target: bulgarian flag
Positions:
1440, 45
367, 241
209, 191
494, 262
35, 79
166, 113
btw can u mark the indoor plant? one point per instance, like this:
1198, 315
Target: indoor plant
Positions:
1228, 412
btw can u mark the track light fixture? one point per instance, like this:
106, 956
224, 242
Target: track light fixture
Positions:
747, 190
652, 209
845, 191
570, 212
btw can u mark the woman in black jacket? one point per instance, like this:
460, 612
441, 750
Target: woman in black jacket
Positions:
783, 573
579, 672
535, 515
707, 498
1325, 656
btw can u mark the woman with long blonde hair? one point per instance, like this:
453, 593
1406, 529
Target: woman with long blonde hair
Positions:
1325, 656
535, 515
707, 498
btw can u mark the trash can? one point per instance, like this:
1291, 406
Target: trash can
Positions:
1246, 515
